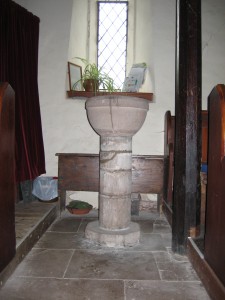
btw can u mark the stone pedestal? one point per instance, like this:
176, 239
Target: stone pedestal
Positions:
116, 120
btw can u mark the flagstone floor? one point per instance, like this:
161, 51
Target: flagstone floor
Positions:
65, 265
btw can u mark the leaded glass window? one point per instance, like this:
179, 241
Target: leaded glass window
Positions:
112, 39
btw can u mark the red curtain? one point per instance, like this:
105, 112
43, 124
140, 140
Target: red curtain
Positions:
19, 35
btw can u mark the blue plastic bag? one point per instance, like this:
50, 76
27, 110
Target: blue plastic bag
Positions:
45, 188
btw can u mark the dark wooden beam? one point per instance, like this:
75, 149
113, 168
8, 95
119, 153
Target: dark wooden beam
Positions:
186, 198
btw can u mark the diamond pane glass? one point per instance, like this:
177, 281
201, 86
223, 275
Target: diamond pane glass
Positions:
112, 39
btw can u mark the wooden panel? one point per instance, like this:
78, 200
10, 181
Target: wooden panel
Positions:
7, 175
204, 136
80, 172
147, 174
215, 206
169, 133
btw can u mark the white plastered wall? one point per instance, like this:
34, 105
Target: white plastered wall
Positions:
213, 46
64, 30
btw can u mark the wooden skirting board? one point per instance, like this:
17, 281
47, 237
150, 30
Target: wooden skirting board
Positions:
211, 282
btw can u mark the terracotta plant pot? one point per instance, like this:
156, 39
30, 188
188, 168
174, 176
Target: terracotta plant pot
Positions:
91, 85
78, 207
78, 211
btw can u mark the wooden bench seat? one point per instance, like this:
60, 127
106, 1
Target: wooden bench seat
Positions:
80, 172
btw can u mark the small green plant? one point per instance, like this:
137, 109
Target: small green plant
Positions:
77, 204
97, 77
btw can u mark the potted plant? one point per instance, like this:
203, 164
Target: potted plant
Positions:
79, 207
93, 78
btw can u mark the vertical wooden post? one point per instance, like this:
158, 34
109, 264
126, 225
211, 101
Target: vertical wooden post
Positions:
186, 202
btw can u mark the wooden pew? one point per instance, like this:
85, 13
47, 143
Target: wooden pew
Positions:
169, 136
7, 175
210, 263
80, 172
215, 213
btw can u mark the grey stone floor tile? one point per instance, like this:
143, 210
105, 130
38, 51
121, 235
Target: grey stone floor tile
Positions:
112, 265
167, 239
149, 242
169, 256
59, 240
162, 257
60, 236
146, 226
65, 265
159, 228
161, 221
146, 215
62, 289
178, 271
44, 263
176, 257
84, 223
172, 269
163, 290
69, 224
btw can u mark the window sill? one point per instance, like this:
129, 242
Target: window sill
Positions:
74, 94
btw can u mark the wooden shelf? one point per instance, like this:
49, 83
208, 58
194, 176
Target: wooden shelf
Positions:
74, 94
